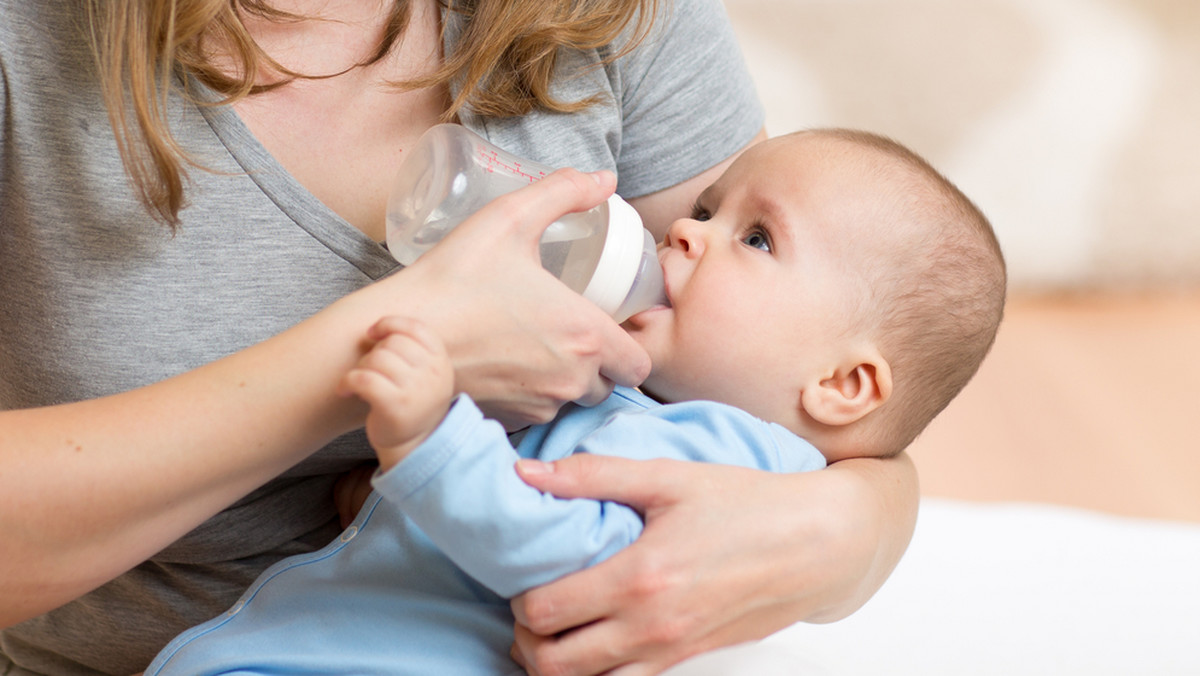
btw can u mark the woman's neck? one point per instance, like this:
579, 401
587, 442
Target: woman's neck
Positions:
342, 137
338, 35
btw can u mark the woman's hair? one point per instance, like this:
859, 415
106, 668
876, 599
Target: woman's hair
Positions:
503, 64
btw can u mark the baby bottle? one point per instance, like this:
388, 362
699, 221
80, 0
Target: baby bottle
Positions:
450, 173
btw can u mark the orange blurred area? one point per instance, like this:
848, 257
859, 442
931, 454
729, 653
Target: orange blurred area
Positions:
1086, 400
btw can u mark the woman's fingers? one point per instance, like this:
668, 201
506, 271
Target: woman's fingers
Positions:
637, 483
532, 209
570, 602
623, 361
611, 646
522, 343
637, 575
585, 651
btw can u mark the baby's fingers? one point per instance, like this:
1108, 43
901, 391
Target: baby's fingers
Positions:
403, 347
396, 325
371, 386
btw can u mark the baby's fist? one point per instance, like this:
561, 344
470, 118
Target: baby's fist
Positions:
408, 381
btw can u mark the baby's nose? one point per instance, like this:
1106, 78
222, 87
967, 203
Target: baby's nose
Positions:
684, 234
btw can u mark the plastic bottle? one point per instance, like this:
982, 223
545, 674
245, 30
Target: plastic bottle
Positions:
451, 172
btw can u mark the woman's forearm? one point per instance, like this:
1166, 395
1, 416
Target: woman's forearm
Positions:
882, 496
90, 489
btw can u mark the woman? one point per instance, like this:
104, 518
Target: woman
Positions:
192, 198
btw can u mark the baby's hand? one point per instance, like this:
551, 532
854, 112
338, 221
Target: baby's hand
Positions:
408, 381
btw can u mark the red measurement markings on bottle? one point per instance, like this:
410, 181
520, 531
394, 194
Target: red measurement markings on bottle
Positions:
493, 162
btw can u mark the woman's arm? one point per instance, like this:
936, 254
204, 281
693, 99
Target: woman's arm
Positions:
801, 547
90, 489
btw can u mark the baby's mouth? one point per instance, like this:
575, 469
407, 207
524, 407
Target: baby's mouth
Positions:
666, 291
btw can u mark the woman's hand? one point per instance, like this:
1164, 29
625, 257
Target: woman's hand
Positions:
728, 555
522, 343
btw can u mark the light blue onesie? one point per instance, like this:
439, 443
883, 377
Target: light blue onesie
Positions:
418, 583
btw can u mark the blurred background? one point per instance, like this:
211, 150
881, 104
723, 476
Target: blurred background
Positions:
1059, 531
1075, 125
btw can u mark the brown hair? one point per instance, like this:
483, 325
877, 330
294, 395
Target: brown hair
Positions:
938, 288
504, 63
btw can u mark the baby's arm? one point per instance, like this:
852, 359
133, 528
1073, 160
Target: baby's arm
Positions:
461, 489
459, 484
408, 380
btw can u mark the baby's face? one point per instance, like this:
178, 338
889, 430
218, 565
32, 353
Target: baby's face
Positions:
761, 280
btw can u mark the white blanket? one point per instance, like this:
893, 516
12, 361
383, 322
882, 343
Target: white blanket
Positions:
1009, 589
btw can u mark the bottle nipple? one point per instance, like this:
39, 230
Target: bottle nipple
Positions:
648, 288
628, 278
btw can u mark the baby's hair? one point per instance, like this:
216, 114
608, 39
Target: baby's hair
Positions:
938, 288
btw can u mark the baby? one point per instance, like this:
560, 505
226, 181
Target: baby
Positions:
831, 290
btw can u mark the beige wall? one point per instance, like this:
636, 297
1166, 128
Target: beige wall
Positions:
1075, 124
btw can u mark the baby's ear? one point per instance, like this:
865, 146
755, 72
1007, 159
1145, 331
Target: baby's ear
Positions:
850, 392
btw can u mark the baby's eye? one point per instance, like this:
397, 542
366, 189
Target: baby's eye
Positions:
757, 239
699, 213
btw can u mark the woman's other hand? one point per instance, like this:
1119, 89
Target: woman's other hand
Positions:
728, 555
521, 342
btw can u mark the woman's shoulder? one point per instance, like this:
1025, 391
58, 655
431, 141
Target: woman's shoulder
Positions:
46, 24
678, 104
43, 46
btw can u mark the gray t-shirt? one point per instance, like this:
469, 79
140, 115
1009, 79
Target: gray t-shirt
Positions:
96, 298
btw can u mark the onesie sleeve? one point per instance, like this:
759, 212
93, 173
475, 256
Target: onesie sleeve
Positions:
461, 489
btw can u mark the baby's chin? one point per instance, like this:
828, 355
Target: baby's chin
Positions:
651, 329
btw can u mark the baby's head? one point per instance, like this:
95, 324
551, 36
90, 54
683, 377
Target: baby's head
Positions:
830, 281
